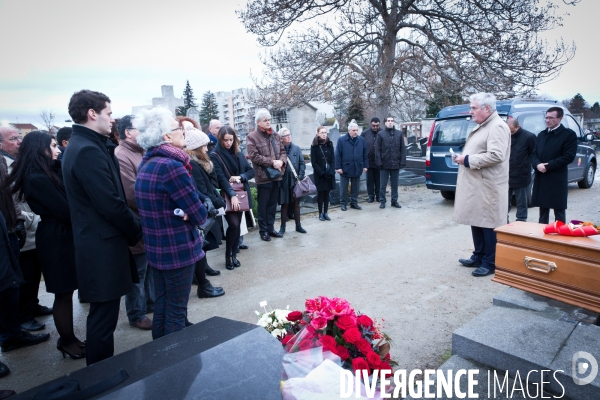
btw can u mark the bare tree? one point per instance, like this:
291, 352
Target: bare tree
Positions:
390, 47
47, 119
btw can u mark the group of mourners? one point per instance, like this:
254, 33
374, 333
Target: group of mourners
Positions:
122, 210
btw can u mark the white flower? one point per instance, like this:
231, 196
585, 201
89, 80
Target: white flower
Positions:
264, 321
281, 316
278, 332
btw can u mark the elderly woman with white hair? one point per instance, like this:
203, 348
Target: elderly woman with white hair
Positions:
268, 157
164, 190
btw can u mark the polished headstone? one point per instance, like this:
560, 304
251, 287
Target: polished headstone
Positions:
216, 358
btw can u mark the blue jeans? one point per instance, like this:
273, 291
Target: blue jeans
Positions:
521, 198
135, 301
354, 182
172, 289
393, 175
484, 240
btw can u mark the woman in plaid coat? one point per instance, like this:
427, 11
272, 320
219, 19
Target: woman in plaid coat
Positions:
173, 246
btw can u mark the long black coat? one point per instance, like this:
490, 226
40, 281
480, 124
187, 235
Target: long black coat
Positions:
206, 184
521, 148
103, 226
557, 148
370, 137
241, 168
11, 276
54, 234
288, 181
390, 150
322, 155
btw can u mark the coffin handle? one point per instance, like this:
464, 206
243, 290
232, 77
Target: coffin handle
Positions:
535, 264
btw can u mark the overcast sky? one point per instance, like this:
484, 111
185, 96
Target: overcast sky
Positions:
127, 49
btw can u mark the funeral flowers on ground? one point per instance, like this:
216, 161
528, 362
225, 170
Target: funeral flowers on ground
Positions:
331, 323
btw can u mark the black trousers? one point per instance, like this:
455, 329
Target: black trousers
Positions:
373, 180
267, 206
559, 215
484, 241
28, 293
101, 325
9, 316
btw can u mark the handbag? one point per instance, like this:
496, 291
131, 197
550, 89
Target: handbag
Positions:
204, 228
239, 190
272, 173
327, 166
304, 186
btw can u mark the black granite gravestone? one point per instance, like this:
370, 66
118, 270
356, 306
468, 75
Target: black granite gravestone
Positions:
214, 359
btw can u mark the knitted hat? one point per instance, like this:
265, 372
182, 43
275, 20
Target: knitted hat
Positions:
195, 138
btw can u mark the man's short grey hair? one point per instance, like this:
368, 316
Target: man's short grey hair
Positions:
152, 124
261, 114
484, 100
282, 131
212, 123
352, 125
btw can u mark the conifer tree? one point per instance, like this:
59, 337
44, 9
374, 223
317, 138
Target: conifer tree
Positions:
209, 109
188, 100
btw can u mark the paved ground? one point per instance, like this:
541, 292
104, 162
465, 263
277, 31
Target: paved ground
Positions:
397, 265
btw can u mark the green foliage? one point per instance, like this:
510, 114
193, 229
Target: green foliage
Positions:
306, 157
577, 105
188, 100
356, 111
209, 109
254, 194
440, 100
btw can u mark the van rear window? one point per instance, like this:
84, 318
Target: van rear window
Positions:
452, 131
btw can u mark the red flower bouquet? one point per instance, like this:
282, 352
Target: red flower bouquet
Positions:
331, 323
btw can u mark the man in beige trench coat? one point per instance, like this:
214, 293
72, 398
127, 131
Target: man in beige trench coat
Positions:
482, 183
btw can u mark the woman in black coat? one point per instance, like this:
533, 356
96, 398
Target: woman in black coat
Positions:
196, 143
231, 164
36, 175
321, 158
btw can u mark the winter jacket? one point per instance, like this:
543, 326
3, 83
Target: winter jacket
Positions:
521, 148
261, 152
370, 137
351, 155
390, 149
321, 157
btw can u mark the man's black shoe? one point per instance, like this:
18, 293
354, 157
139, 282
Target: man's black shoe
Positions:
355, 206
396, 204
382, 205
41, 311
23, 339
483, 271
344, 207
33, 325
371, 198
470, 262
207, 290
276, 234
265, 236
243, 247
4, 370
211, 272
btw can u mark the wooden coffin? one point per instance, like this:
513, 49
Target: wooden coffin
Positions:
559, 267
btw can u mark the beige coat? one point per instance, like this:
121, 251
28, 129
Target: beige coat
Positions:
482, 190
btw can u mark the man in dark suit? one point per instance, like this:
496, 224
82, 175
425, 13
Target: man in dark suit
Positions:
519, 176
103, 226
372, 170
556, 148
350, 162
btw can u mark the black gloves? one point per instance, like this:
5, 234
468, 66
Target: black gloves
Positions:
212, 211
21, 233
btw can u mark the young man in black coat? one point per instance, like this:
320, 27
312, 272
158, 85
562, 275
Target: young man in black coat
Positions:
373, 171
103, 225
521, 148
556, 148
390, 156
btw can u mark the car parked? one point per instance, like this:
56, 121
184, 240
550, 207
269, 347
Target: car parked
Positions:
453, 125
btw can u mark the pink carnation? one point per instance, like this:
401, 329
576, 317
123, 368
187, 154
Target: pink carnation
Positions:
317, 304
319, 323
340, 307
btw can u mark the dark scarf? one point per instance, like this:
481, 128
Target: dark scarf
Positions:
231, 160
168, 151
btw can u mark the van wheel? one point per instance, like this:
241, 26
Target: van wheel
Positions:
448, 195
588, 178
